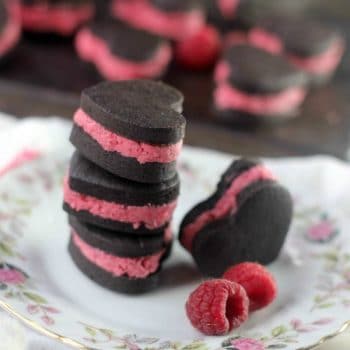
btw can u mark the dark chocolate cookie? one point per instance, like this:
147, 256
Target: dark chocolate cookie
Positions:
176, 5
118, 243
141, 110
87, 178
256, 71
300, 36
99, 198
131, 128
125, 167
126, 42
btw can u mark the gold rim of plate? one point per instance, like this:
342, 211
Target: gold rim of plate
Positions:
77, 345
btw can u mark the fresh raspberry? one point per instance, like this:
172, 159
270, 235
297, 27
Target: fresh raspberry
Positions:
258, 282
217, 306
200, 51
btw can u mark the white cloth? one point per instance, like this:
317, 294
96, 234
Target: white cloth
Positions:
15, 336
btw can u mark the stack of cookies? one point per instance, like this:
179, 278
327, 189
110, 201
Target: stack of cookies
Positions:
122, 186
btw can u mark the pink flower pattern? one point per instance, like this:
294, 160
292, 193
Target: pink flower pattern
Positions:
13, 281
322, 231
11, 277
247, 344
21, 158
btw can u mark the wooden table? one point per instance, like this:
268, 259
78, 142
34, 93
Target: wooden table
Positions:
44, 77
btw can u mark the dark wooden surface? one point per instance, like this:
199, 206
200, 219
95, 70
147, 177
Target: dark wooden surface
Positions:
44, 77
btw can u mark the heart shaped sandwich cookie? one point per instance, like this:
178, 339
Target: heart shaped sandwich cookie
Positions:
246, 219
133, 129
253, 84
119, 243
174, 19
319, 52
124, 52
123, 263
62, 17
99, 198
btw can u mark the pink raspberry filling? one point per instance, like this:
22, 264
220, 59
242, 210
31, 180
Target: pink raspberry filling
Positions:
142, 14
323, 63
222, 72
113, 67
256, 37
228, 8
11, 33
61, 19
227, 204
132, 267
112, 142
229, 97
150, 216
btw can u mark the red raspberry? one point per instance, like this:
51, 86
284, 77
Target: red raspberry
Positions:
258, 282
217, 306
199, 51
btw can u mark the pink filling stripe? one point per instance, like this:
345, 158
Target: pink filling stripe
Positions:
321, 64
318, 64
151, 216
227, 204
142, 14
113, 67
62, 19
10, 34
132, 267
228, 97
222, 72
111, 142
256, 37
228, 8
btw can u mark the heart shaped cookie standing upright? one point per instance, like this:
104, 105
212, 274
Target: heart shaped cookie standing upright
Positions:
246, 219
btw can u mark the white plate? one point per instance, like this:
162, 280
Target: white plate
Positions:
43, 288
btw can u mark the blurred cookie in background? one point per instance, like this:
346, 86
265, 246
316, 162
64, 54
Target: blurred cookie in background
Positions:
311, 46
62, 17
10, 26
174, 19
102, 9
121, 52
253, 84
232, 14
224, 14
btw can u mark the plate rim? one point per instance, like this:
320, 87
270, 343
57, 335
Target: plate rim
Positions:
74, 344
